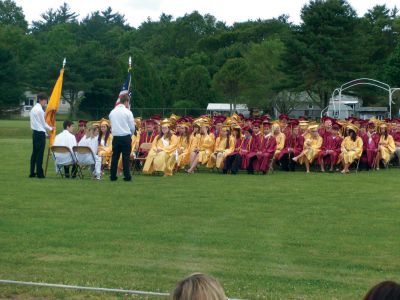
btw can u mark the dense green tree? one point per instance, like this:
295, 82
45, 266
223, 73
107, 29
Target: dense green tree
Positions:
11, 14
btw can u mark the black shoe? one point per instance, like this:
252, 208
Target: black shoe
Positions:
66, 175
32, 175
113, 178
41, 176
128, 179
264, 173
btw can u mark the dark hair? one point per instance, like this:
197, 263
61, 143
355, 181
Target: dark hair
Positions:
42, 96
124, 98
161, 134
228, 135
238, 131
352, 134
385, 290
105, 136
67, 123
250, 131
385, 133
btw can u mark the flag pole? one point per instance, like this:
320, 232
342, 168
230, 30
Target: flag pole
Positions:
130, 77
48, 149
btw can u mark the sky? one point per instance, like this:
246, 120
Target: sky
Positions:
228, 11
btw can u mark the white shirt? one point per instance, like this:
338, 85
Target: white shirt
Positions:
37, 119
90, 142
122, 122
66, 139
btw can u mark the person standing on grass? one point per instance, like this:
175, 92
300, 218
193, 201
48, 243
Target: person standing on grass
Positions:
39, 128
123, 126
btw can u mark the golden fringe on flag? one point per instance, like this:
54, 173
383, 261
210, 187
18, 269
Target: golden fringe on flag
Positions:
53, 105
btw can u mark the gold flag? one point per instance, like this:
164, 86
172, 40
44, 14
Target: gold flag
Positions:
53, 105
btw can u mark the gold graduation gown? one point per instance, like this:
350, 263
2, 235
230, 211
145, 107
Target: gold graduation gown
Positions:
280, 143
388, 148
206, 147
351, 150
104, 150
163, 161
312, 152
221, 152
184, 147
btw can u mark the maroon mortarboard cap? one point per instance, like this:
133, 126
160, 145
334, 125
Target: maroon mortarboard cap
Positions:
156, 117
264, 117
241, 116
149, 122
82, 122
294, 122
388, 120
283, 117
303, 118
266, 123
257, 123
246, 128
336, 126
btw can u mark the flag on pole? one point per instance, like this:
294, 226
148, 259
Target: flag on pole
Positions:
53, 105
126, 87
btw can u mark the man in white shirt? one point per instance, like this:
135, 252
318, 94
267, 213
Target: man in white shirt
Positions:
67, 139
122, 128
39, 128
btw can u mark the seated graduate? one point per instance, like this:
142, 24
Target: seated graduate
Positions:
205, 147
183, 145
396, 138
233, 160
66, 138
266, 150
90, 139
311, 148
351, 149
293, 147
251, 156
162, 155
370, 140
280, 137
105, 143
81, 131
134, 149
330, 149
224, 145
386, 146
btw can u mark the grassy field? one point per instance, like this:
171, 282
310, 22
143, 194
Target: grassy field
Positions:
283, 236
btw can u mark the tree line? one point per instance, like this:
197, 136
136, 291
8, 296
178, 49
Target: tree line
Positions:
189, 61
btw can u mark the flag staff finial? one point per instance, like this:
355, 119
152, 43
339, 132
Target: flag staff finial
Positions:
64, 62
130, 62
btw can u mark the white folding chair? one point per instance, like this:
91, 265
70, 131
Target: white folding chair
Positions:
63, 157
84, 158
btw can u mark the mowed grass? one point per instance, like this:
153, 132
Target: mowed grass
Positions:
282, 236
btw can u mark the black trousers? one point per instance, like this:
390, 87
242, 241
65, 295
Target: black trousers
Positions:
250, 167
232, 162
121, 144
39, 143
66, 171
287, 162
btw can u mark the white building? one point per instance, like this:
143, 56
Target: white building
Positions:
226, 108
30, 101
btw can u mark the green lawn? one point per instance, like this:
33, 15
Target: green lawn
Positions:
283, 236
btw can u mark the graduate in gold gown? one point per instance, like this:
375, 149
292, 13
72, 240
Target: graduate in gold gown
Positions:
163, 153
183, 145
352, 147
104, 149
134, 147
311, 148
205, 146
386, 147
279, 137
224, 145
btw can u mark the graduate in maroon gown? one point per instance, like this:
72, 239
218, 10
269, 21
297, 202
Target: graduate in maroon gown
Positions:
81, 131
217, 125
370, 145
325, 129
293, 147
331, 148
251, 156
267, 149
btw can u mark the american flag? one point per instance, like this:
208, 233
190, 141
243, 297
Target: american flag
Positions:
126, 88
